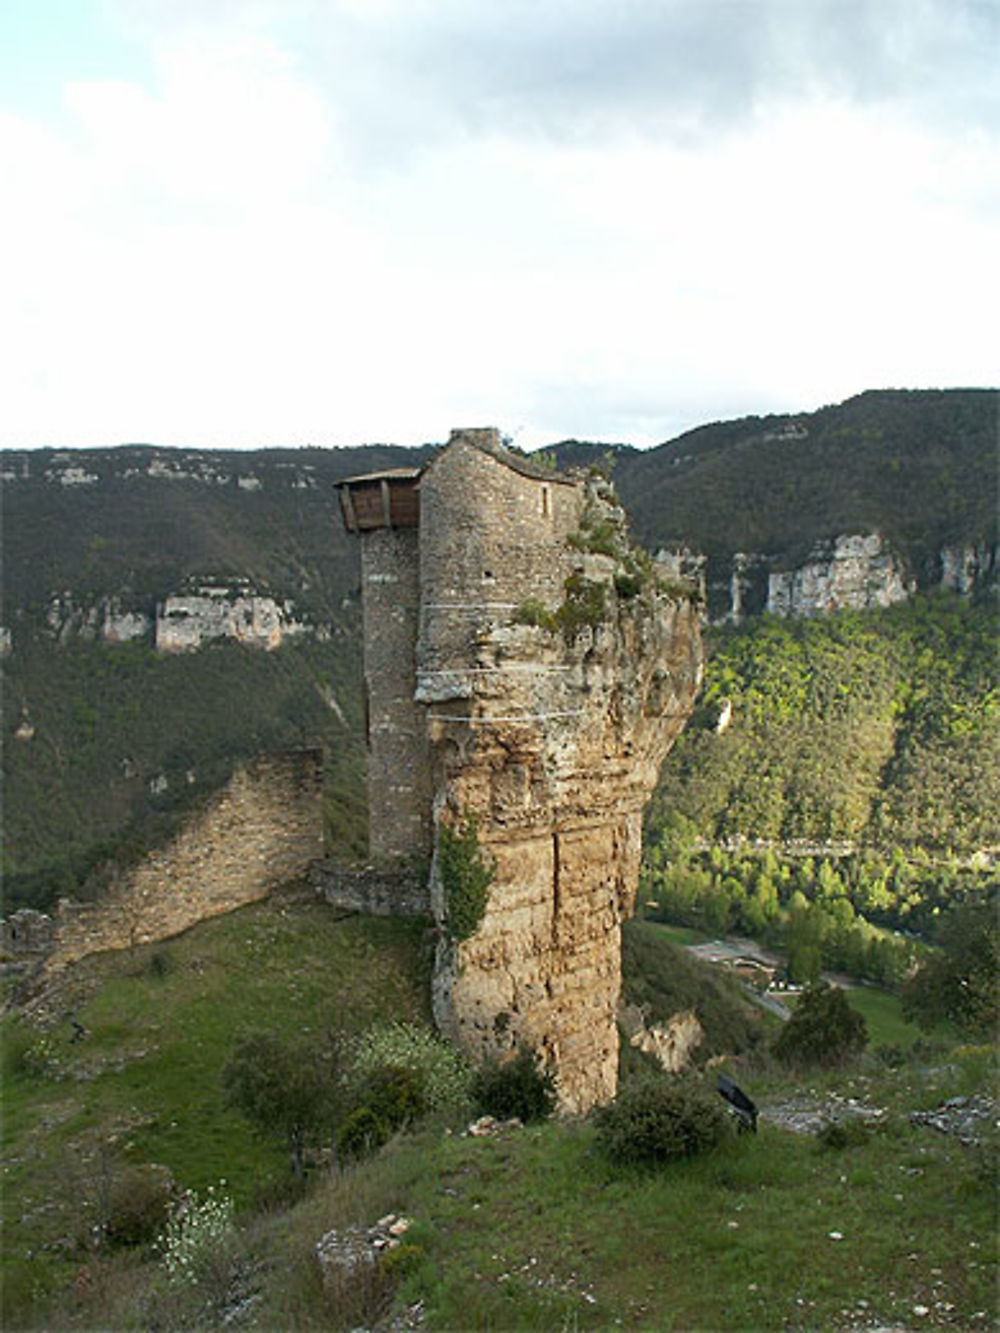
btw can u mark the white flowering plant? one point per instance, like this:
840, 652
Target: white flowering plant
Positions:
443, 1073
195, 1233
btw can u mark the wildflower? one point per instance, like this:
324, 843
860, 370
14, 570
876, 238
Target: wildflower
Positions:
197, 1227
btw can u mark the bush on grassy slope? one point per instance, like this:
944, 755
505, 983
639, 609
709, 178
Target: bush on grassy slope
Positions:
657, 1118
823, 1029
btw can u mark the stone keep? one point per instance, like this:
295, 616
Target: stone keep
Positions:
524, 676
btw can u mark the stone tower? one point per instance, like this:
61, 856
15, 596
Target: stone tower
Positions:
383, 509
545, 677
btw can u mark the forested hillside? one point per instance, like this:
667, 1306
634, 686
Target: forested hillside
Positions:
873, 728
919, 467
836, 786
866, 728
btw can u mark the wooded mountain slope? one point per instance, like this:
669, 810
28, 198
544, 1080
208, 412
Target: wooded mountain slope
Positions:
104, 743
920, 467
880, 728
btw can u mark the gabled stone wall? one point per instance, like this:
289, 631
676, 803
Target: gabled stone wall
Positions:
491, 539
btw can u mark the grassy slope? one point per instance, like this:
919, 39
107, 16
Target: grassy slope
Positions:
144, 1085
530, 1231
741, 1240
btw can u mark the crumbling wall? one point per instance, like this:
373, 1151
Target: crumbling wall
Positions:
263, 828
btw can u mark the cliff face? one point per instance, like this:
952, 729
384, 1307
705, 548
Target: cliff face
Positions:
547, 738
853, 571
187, 621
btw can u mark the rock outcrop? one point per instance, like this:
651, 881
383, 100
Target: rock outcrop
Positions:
184, 621
853, 571
553, 673
856, 571
219, 611
672, 1044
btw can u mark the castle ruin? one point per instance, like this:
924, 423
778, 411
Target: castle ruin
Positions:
526, 673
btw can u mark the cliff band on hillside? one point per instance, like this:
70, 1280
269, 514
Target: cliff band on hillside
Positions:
527, 673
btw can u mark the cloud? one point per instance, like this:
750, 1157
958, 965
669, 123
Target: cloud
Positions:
412, 71
408, 74
372, 220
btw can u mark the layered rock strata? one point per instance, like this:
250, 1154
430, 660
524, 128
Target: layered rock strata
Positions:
553, 752
554, 672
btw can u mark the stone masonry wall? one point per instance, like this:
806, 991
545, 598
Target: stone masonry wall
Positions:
490, 539
399, 796
263, 828
373, 890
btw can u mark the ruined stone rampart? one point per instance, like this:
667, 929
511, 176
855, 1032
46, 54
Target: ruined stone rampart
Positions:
373, 890
263, 828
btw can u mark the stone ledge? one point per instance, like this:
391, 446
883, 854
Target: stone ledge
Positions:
374, 890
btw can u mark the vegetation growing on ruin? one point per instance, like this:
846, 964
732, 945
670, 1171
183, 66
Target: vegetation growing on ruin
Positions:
533, 612
466, 875
600, 537
585, 605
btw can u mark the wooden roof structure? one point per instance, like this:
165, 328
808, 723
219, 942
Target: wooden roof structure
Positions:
381, 499
391, 499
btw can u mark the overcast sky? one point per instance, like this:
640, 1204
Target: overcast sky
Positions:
285, 222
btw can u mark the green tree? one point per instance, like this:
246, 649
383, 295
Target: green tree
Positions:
961, 983
285, 1088
804, 940
823, 1029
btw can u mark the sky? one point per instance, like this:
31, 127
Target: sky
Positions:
250, 223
